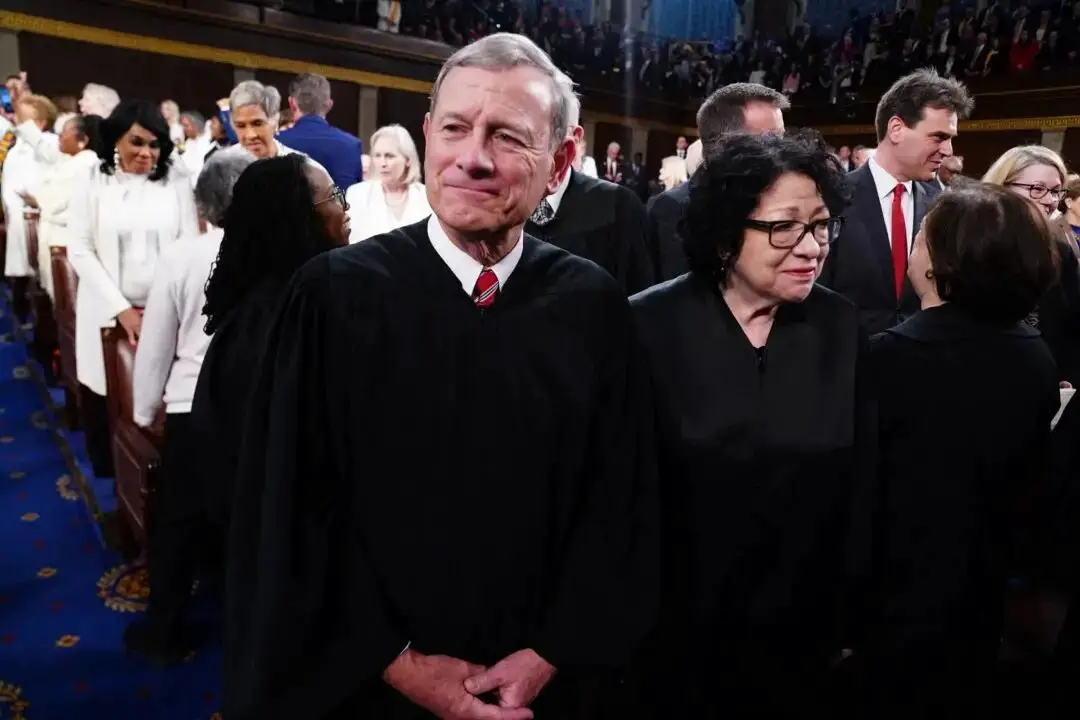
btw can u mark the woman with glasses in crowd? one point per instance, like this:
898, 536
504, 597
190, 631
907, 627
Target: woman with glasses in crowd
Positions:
284, 211
966, 392
766, 437
1038, 174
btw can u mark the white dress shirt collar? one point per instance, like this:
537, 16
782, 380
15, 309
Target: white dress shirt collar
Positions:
466, 268
885, 182
555, 198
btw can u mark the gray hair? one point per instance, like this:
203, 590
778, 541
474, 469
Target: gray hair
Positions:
311, 93
214, 188
506, 51
405, 145
196, 119
253, 92
103, 99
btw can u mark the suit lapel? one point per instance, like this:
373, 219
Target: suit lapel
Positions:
868, 205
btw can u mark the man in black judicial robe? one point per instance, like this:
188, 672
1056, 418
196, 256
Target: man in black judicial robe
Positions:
445, 491
599, 221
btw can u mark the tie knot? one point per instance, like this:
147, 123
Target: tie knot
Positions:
900, 189
487, 287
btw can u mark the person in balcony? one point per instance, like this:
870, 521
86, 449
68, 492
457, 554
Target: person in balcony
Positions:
122, 216
394, 196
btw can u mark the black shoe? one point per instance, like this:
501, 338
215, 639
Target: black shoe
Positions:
153, 643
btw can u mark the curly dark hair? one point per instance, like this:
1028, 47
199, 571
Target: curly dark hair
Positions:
990, 251
126, 114
271, 228
726, 189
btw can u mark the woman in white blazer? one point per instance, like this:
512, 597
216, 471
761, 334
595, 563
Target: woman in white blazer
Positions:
131, 207
52, 196
395, 196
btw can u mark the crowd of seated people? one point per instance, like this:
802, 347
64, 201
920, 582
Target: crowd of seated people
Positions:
819, 64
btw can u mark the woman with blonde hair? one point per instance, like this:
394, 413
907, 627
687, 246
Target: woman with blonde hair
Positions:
673, 172
1038, 174
1069, 219
394, 196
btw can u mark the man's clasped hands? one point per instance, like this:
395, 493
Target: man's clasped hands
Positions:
452, 688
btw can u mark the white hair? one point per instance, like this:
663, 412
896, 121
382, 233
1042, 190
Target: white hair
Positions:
694, 156
405, 145
100, 99
58, 126
505, 51
253, 92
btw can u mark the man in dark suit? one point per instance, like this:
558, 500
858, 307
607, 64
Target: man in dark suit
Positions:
739, 107
334, 149
597, 220
916, 121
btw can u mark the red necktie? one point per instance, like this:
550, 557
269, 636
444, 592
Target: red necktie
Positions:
899, 239
487, 287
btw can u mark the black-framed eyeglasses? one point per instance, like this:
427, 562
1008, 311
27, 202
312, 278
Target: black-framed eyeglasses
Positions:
1037, 191
336, 193
786, 234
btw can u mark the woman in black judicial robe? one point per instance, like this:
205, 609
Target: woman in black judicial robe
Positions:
966, 393
284, 211
766, 438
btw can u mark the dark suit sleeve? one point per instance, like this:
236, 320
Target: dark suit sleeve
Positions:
631, 228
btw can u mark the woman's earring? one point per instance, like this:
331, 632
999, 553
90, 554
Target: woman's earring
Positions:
116, 159
929, 274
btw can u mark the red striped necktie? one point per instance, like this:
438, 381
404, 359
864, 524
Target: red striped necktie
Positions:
486, 289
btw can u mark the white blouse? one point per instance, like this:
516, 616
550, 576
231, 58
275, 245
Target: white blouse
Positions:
369, 215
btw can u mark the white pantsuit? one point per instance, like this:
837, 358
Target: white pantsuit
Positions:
117, 226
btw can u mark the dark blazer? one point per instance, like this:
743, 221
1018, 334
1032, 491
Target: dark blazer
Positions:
665, 246
964, 410
334, 149
1059, 313
605, 223
860, 265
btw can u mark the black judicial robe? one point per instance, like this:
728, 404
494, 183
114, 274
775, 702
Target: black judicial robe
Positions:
964, 417
766, 463
222, 392
417, 470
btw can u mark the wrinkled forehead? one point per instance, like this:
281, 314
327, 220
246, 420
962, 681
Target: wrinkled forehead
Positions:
520, 97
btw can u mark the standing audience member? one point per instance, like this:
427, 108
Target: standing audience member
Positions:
393, 195
123, 215
362, 491
310, 133
974, 388
735, 108
1038, 175
916, 121
167, 363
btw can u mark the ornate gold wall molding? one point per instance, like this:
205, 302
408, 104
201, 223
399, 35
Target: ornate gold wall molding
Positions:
1055, 122
160, 46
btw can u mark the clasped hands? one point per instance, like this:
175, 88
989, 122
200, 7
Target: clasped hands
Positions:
451, 688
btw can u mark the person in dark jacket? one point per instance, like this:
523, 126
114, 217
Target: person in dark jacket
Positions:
966, 392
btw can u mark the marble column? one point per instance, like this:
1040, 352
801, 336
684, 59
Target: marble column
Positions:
240, 75
639, 143
590, 136
1053, 139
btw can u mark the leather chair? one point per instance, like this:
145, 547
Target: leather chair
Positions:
65, 285
40, 306
136, 450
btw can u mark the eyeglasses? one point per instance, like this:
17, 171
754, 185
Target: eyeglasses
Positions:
786, 234
1038, 192
336, 193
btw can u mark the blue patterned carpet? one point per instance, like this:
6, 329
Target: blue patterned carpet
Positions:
64, 598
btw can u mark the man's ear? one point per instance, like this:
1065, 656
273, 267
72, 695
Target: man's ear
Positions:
427, 124
564, 158
329, 105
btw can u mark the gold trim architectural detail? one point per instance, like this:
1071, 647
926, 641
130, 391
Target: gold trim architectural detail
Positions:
160, 46
254, 61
